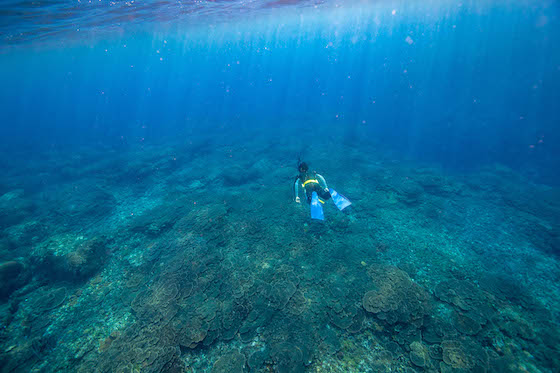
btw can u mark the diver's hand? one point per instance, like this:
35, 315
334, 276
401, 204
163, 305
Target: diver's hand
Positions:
298, 200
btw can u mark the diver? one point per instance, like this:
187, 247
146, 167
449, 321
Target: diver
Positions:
316, 191
310, 182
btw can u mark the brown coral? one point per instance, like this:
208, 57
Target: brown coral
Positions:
10, 278
49, 299
395, 298
419, 354
465, 354
232, 362
465, 324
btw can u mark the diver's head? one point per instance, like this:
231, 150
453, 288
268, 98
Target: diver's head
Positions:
303, 168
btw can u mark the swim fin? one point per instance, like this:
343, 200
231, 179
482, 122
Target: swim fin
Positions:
316, 208
339, 200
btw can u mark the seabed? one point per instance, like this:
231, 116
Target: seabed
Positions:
193, 258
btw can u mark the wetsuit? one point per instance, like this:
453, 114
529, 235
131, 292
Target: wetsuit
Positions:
312, 182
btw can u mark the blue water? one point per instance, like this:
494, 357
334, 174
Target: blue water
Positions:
136, 135
474, 83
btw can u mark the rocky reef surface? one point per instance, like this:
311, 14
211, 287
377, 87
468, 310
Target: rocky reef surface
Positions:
192, 258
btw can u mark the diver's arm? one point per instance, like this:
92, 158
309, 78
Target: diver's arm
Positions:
296, 190
322, 182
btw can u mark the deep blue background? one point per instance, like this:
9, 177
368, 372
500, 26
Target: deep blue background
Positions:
478, 84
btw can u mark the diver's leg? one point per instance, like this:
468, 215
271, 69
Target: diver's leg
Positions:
323, 194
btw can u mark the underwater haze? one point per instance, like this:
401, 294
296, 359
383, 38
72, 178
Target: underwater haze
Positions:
156, 213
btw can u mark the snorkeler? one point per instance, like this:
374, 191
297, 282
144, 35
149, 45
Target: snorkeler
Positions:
316, 191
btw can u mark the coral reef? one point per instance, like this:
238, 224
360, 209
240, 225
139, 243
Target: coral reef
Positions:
164, 259
14, 208
12, 277
78, 263
395, 298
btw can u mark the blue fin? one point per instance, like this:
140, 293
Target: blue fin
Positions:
316, 208
339, 200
